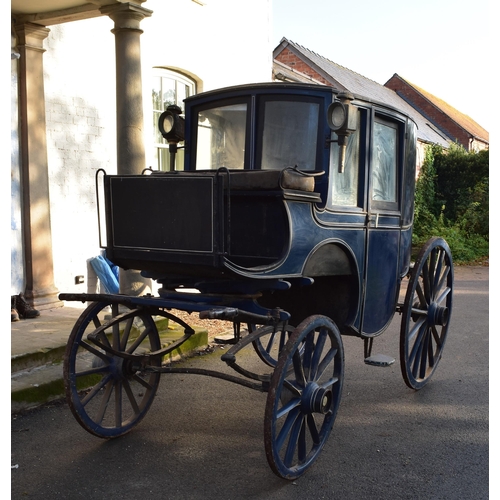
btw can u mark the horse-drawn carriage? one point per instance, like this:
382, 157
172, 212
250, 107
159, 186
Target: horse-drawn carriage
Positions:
287, 210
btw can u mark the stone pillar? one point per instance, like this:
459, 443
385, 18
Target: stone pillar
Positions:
129, 109
37, 236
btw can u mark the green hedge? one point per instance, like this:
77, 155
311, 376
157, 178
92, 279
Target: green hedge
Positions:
452, 201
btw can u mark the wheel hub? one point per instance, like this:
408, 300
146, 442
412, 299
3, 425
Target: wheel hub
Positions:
316, 399
437, 315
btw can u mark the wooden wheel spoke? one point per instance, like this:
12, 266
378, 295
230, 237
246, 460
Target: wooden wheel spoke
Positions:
416, 327
293, 440
426, 283
307, 355
318, 350
96, 321
270, 344
92, 371
302, 444
95, 390
437, 337
298, 369
438, 272
93, 350
142, 381
104, 402
421, 296
287, 426
417, 345
444, 278
442, 297
126, 333
325, 362
313, 428
138, 341
424, 355
131, 397
291, 387
430, 351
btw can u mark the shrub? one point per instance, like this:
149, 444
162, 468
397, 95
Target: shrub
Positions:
452, 201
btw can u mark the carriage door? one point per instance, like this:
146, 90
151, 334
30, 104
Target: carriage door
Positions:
383, 226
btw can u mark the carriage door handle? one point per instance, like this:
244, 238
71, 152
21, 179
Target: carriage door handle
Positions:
373, 218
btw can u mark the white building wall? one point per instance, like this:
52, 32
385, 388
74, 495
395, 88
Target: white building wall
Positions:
221, 43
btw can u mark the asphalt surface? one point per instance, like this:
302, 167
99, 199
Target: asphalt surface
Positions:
203, 437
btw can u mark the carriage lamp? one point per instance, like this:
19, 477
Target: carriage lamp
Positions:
342, 119
171, 126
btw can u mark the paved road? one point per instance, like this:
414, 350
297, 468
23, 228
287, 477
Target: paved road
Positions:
203, 438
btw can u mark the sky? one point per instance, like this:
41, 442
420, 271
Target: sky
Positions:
442, 46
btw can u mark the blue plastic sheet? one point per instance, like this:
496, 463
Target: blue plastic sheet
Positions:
107, 273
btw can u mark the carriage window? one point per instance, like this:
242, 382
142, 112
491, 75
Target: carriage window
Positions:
221, 137
290, 135
344, 186
384, 162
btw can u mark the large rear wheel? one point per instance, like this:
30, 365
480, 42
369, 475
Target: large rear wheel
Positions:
426, 313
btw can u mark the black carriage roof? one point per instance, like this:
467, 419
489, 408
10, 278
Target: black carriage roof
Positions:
281, 87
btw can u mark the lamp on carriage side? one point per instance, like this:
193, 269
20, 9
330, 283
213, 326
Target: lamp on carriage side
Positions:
342, 119
171, 126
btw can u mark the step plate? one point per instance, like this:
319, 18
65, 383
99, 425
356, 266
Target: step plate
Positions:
379, 360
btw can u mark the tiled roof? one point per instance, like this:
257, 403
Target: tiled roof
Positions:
462, 120
355, 83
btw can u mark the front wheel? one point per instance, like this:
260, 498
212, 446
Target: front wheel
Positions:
110, 393
426, 313
304, 396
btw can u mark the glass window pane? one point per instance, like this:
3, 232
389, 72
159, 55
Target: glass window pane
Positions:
384, 162
181, 94
158, 139
221, 137
345, 184
290, 135
168, 92
157, 105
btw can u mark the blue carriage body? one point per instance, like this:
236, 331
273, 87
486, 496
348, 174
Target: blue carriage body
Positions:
270, 201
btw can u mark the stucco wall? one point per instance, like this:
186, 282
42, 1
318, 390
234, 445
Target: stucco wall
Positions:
221, 43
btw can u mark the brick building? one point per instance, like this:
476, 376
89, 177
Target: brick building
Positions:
295, 63
459, 127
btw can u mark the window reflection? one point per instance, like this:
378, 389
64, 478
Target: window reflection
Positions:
384, 162
221, 137
345, 185
290, 135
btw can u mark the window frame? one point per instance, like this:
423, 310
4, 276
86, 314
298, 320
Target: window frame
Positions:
398, 126
161, 154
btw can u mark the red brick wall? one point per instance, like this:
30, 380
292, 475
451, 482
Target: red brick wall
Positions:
426, 108
287, 57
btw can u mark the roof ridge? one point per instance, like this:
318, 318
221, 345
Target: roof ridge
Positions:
447, 107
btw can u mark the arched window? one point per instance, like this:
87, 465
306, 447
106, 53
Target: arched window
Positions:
169, 87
